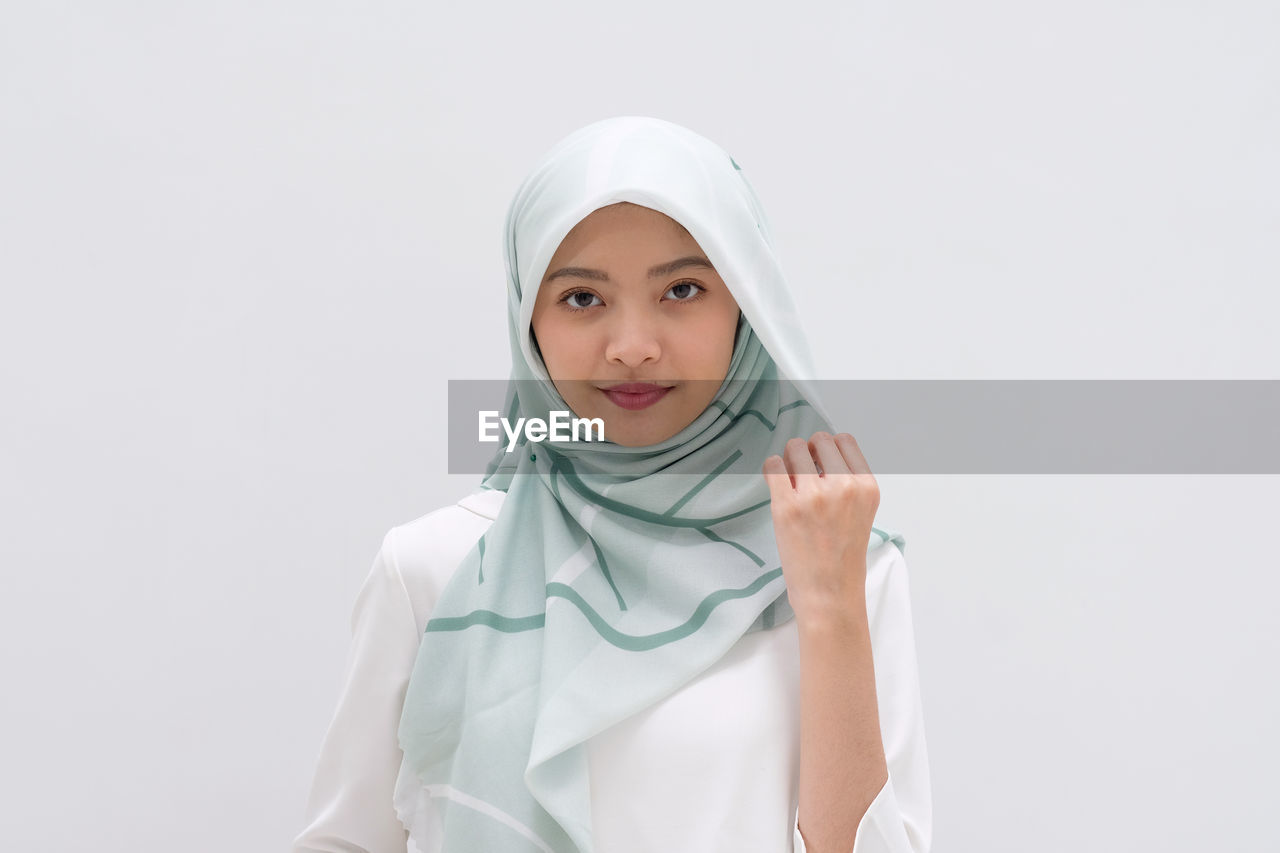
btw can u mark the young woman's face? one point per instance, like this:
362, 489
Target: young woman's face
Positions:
613, 308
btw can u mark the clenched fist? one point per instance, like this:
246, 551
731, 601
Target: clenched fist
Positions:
823, 498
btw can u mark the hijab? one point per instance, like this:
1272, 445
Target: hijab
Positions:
613, 574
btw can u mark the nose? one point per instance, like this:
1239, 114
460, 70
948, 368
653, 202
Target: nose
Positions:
633, 340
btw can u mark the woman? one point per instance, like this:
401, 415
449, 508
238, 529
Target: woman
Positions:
686, 637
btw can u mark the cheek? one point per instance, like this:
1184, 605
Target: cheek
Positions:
564, 349
712, 344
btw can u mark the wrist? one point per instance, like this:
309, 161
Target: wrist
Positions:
834, 617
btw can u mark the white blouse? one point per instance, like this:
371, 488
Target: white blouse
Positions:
717, 761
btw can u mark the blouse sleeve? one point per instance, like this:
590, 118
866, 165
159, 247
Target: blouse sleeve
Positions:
900, 818
349, 808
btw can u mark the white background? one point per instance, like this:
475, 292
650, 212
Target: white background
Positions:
243, 246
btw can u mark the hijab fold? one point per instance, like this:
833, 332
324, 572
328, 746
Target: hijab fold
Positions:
612, 575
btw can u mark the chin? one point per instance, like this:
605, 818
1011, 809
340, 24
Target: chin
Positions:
640, 439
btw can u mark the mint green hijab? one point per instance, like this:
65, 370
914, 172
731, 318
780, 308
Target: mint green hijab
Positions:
612, 575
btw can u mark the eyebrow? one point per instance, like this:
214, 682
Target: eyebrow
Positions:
654, 272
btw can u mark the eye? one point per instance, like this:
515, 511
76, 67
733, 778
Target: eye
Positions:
694, 295
569, 300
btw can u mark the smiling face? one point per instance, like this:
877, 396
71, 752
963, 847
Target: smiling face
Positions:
630, 298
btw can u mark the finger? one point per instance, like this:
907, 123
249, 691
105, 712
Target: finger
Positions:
800, 464
778, 478
823, 445
852, 454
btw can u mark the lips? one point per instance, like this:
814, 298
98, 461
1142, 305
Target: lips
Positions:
635, 395
634, 387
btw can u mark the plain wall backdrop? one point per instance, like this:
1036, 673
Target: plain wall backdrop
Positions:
243, 247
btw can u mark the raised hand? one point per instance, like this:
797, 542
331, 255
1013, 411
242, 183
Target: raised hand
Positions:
823, 500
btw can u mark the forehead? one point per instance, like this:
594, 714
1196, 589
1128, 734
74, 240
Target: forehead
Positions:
624, 215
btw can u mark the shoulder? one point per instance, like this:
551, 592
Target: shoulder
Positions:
887, 552
888, 583
426, 551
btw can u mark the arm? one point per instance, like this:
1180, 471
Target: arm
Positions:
350, 808
863, 751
